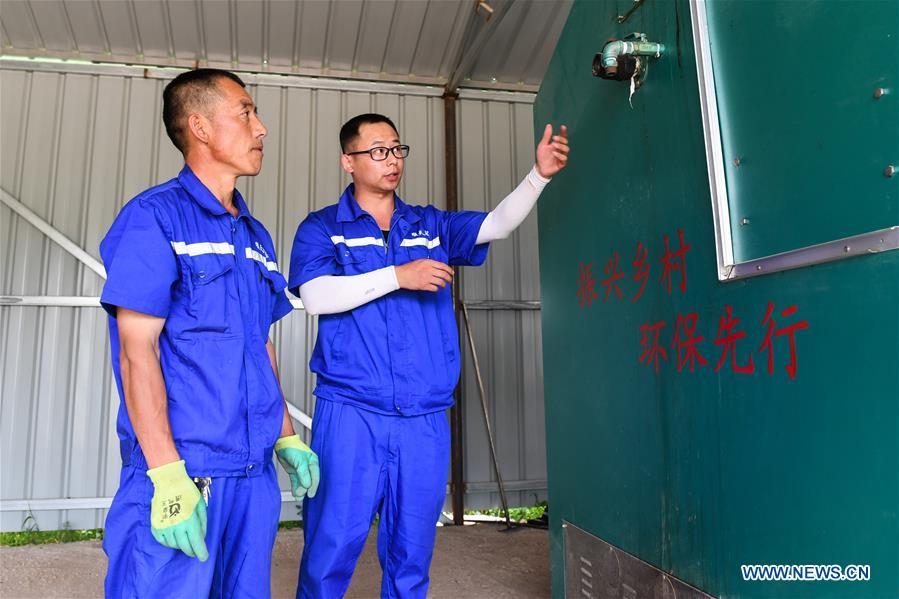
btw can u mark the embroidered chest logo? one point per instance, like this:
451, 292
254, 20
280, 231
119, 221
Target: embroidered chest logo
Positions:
261, 250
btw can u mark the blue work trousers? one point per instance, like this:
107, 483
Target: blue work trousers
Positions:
241, 526
393, 466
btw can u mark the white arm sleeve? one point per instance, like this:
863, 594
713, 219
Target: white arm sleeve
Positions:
332, 294
512, 211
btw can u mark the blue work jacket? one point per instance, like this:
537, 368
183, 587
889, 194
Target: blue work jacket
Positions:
174, 252
398, 354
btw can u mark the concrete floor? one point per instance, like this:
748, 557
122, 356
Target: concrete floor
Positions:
469, 562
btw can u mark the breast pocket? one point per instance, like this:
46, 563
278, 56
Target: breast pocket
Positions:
422, 248
211, 287
276, 283
271, 283
352, 261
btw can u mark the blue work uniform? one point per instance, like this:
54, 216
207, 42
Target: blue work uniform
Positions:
175, 252
386, 373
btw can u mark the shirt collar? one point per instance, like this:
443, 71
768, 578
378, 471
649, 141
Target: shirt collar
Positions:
202, 196
348, 208
242, 210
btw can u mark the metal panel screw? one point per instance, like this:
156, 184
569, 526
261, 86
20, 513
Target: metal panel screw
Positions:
846, 248
879, 92
745, 221
737, 162
890, 170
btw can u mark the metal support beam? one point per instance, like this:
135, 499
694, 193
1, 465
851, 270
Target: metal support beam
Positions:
328, 79
495, 95
76, 503
472, 50
503, 305
457, 473
53, 301
102, 503
52, 232
299, 415
76, 301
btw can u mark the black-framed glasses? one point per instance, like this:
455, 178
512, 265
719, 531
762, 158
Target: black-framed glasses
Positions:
380, 153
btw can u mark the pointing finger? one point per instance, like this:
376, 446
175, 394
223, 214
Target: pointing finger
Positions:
547, 133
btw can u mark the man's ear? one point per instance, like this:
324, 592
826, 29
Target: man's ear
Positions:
198, 127
346, 163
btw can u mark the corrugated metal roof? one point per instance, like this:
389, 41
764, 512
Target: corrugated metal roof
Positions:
389, 40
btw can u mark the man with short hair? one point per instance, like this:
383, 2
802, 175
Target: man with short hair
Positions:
378, 273
192, 290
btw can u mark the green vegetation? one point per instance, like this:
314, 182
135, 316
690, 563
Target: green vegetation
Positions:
41, 537
515, 513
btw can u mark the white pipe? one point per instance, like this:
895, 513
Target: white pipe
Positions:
53, 233
99, 503
56, 301
338, 81
75, 301
75, 503
299, 416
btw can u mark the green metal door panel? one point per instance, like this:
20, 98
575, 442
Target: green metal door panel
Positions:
805, 139
698, 473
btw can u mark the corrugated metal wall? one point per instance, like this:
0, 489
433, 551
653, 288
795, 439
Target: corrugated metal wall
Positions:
496, 149
75, 147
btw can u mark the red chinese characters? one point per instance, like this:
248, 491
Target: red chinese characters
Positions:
685, 340
614, 274
788, 330
652, 350
673, 262
642, 267
677, 260
586, 281
728, 338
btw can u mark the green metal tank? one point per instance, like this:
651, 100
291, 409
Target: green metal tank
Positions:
721, 353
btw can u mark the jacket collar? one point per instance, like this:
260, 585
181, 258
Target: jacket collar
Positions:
202, 196
348, 209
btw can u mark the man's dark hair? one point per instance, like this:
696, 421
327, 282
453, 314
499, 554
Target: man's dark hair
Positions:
189, 92
350, 130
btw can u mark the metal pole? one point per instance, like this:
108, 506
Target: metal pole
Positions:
53, 233
457, 474
483, 395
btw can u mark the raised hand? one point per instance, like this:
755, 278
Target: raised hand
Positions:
552, 151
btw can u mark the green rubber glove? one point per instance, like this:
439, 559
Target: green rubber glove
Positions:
300, 463
177, 511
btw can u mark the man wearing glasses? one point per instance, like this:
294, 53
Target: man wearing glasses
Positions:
378, 273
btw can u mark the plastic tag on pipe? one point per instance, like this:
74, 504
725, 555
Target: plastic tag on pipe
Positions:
630, 97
